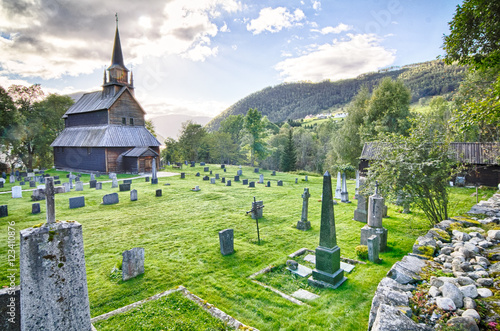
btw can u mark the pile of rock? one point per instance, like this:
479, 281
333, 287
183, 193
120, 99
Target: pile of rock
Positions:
463, 271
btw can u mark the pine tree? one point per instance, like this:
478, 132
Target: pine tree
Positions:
289, 157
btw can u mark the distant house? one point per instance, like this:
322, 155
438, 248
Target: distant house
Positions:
481, 160
105, 130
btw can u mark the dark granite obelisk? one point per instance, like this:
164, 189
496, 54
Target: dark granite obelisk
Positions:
327, 272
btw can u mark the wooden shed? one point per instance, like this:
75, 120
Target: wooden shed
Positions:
481, 160
105, 130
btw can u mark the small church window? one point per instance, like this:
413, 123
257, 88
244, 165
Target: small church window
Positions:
124, 120
131, 121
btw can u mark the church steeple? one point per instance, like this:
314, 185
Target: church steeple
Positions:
118, 73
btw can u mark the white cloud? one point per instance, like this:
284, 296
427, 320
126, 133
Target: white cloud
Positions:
316, 5
49, 39
335, 30
274, 20
339, 60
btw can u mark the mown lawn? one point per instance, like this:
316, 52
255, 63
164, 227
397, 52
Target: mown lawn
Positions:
179, 232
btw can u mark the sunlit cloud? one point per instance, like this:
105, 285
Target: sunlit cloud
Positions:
274, 20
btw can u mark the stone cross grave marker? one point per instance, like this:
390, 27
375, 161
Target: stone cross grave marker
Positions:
327, 272
52, 270
304, 224
132, 263
374, 221
226, 241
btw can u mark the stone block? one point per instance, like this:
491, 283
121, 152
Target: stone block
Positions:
132, 263
110, 199
133, 195
251, 184
256, 170
239, 172
4, 211
124, 187
53, 278
304, 295
183, 175
93, 183
368, 231
206, 169
212, 180
76, 202
158, 193
245, 182
98, 186
223, 180
373, 248
127, 181
226, 241
228, 183
35, 208
146, 179
17, 192
217, 176
304, 226
154, 181
236, 178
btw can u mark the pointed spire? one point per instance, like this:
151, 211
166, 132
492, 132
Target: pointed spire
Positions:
117, 57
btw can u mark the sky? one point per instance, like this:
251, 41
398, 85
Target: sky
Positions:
198, 57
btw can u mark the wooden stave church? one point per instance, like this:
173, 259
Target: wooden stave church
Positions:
105, 130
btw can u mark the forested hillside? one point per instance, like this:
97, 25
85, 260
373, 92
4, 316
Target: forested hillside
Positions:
297, 100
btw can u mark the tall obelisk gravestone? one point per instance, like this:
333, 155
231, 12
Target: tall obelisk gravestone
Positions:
327, 272
54, 292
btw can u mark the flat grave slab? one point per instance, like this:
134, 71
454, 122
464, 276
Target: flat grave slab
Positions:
302, 271
304, 295
344, 266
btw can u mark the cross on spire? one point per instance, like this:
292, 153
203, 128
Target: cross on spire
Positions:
116, 16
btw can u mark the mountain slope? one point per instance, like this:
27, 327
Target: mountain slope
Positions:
297, 100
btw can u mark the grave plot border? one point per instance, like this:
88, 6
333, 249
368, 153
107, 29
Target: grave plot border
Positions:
211, 309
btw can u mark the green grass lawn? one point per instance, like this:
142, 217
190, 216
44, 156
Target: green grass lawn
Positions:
179, 232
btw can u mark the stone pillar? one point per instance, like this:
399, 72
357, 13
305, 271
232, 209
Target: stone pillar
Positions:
327, 272
226, 241
70, 180
374, 219
344, 195
304, 224
338, 190
154, 178
54, 292
357, 185
373, 248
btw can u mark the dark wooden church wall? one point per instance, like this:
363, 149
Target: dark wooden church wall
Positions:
90, 118
126, 107
80, 158
130, 164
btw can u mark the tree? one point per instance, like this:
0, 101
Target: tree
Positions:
233, 125
221, 147
415, 168
190, 140
150, 126
172, 152
474, 37
9, 122
255, 134
289, 157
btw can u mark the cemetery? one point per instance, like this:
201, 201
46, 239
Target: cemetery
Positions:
204, 245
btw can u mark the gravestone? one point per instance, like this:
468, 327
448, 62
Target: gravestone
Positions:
306, 178
274, 173
17, 192
4, 211
92, 177
374, 221
12, 179
223, 180
124, 187
71, 180
183, 175
185, 162
158, 193
210, 172
1, 184
251, 184
257, 209
76, 202
59, 189
217, 176
114, 182
222, 166
197, 174
92, 183
127, 181
327, 272
37, 195
110, 199
132, 263
239, 172
212, 180
228, 183
202, 163
57, 182
356, 190
30, 174
146, 179
196, 188
304, 224
268, 183
361, 212
79, 186
4, 175
226, 241
56, 177
245, 181
98, 186
261, 179
236, 178
256, 170
225, 170
206, 178
192, 164
67, 188
344, 195
35, 208
206, 169
373, 248
280, 183
133, 195
111, 175
296, 180
32, 184
54, 292
22, 183
338, 190
154, 179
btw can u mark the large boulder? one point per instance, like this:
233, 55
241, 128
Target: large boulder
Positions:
392, 319
407, 270
449, 290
